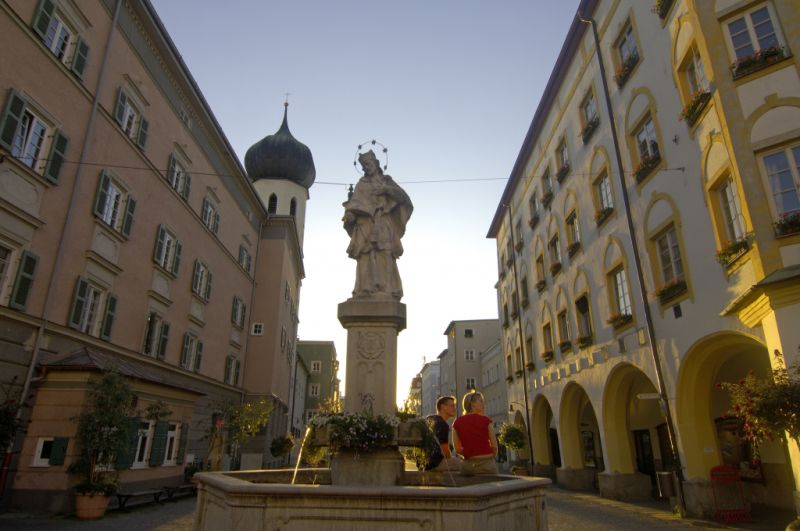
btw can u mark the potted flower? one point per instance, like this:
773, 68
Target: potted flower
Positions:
671, 289
565, 345
585, 341
646, 166
281, 445
625, 69
618, 320
540, 285
733, 249
531, 366
533, 221
691, 112
757, 61
788, 224
602, 215
548, 356
103, 433
562, 172
555, 268
547, 198
589, 129
358, 432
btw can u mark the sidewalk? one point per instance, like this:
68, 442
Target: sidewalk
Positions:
763, 520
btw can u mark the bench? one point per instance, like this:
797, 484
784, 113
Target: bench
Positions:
123, 497
173, 490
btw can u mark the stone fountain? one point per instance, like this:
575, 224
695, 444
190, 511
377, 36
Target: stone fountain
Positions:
370, 491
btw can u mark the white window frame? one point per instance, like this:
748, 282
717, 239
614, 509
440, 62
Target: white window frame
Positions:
669, 255
626, 45
177, 175
554, 249
154, 326
731, 210
313, 390
469, 354
89, 321
210, 215
791, 155
647, 140
60, 38
171, 454
589, 108
6, 263
573, 228
316, 366
563, 153
696, 73
32, 138
238, 312
563, 325
470, 382
189, 358
148, 443
753, 42
622, 296
547, 184
166, 258
232, 369
257, 329
244, 258
38, 461
201, 283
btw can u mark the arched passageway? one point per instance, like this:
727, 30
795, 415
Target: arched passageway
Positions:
546, 452
581, 450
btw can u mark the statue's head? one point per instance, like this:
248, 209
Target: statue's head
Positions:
369, 162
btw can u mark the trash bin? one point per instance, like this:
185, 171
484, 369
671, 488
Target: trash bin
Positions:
666, 485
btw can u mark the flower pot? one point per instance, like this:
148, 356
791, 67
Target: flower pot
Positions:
90, 506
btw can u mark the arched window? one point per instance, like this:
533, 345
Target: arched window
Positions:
293, 207
272, 205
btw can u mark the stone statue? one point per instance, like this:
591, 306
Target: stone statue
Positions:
375, 218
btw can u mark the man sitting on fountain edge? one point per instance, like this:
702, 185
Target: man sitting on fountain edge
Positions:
439, 458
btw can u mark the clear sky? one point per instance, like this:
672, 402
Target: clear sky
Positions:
449, 86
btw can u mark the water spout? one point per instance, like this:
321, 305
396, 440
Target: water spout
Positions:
300, 454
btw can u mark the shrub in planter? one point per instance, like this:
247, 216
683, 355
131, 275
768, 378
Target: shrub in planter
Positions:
512, 436
619, 320
584, 341
282, 445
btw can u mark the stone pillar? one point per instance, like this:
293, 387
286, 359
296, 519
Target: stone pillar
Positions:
372, 327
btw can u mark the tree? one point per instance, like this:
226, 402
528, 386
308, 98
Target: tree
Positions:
238, 423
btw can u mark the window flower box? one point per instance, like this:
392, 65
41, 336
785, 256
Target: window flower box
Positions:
788, 224
518, 372
518, 245
502, 274
573, 248
671, 289
547, 199
541, 285
509, 261
695, 107
589, 129
618, 320
661, 8
646, 166
562, 172
555, 268
585, 341
525, 302
733, 250
531, 366
533, 221
505, 323
757, 61
509, 379
514, 315
564, 346
548, 356
601, 216
625, 69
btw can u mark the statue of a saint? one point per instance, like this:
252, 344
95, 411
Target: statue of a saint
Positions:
375, 217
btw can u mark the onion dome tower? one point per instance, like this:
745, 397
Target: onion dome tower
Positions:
282, 170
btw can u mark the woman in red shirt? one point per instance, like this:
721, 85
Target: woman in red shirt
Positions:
474, 437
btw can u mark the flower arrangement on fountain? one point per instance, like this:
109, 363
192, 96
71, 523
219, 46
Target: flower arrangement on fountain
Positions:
360, 432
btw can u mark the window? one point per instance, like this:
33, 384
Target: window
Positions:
731, 211
129, 117
178, 178
316, 366
5, 265
669, 254
646, 140
92, 310
232, 367
60, 37
628, 52
563, 326
563, 159
469, 332
518, 356
696, 73
573, 230
589, 109
469, 355
313, 390
201, 280
751, 32
555, 251
143, 443
584, 317
293, 207
547, 337
31, 139
470, 383
272, 204
244, 258
621, 293
113, 205
191, 353
171, 453
238, 312
156, 336
258, 329
524, 289
783, 172
167, 252
604, 192
540, 268
310, 414
547, 186
210, 216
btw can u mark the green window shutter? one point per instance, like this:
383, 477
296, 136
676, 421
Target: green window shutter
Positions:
159, 447
78, 303
162, 341
56, 159
141, 138
101, 196
236, 372
198, 356
182, 443
228, 368
176, 259
24, 281
127, 223
185, 352
80, 57
58, 451
159, 247
43, 15
125, 458
207, 295
187, 185
15, 108
119, 109
244, 315
170, 168
108, 320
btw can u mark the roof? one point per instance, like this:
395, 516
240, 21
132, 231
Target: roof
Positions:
779, 276
568, 49
86, 359
453, 324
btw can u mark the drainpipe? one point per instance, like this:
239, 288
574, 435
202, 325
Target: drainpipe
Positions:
518, 309
651, 333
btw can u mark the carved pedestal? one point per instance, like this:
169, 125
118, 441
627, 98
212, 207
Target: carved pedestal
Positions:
372, 327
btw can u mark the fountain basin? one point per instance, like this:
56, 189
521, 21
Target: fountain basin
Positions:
264, 500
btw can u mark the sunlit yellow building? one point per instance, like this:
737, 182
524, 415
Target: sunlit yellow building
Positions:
705, 100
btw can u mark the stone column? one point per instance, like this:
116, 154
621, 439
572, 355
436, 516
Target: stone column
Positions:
372, 327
